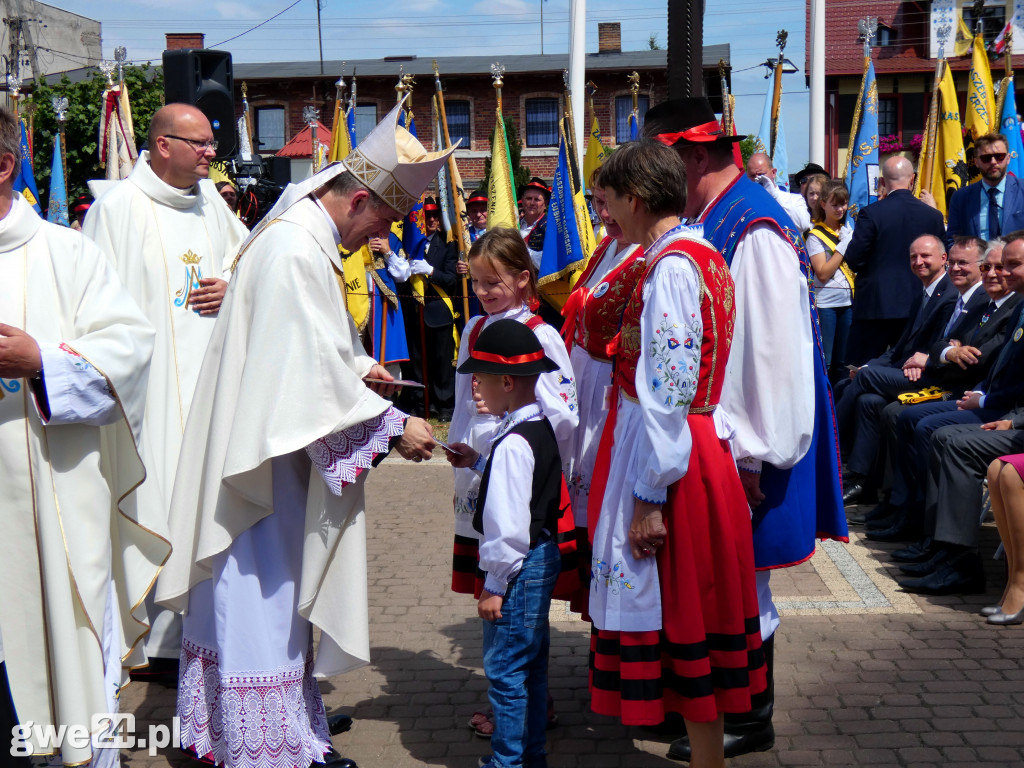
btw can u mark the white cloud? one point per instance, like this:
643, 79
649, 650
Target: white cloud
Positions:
231, 11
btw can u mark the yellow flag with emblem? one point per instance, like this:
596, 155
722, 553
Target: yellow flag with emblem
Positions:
949, 166
502, 210
981, 105
596, 153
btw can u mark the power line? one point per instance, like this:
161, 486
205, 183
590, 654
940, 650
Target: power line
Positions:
258, 25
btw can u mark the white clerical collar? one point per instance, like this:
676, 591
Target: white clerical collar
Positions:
19, 225
334, 227
160, 191
518, 416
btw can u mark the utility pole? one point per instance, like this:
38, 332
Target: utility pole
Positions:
685, 48
319, 36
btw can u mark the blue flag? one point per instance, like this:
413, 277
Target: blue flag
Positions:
1009, 126
414, 229
563, 251
780, 162
57, 213
25, 181
350, 120
634, 126
862, 173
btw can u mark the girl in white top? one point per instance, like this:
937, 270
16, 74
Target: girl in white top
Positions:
505, 282
833, 280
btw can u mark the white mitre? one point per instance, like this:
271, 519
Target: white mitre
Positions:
390, 161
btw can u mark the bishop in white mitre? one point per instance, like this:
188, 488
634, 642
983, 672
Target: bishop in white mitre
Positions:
267, 515
172, 239
77, 563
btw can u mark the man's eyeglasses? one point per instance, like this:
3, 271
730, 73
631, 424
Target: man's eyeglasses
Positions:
199, 146
988, 157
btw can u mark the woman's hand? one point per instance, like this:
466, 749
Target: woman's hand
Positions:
647, 531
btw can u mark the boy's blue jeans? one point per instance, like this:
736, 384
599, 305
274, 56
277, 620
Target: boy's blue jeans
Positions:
516, 662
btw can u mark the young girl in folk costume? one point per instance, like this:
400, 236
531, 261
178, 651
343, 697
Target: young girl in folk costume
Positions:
505, 282
672, 598
592, 316
833, 279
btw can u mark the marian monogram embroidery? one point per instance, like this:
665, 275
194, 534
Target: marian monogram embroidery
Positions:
193, 274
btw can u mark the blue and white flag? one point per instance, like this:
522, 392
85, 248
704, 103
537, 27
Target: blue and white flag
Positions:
862, 172
634, 126
25, 181
563, 251
1009, 126
57, 212
780, 162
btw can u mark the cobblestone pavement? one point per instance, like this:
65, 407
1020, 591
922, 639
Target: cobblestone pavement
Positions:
865, 675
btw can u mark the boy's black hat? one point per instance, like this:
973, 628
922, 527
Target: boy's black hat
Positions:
508, 347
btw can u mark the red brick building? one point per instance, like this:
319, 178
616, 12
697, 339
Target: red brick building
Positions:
533, 96
904, 50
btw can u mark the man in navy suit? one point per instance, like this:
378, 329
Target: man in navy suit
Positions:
886, 290
858, 428
919, 426
993, 207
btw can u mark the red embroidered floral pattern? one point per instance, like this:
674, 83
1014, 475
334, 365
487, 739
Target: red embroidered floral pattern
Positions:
264, 720
341, 456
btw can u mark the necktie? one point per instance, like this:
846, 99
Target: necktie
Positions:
994, 228
988, 313
957, 311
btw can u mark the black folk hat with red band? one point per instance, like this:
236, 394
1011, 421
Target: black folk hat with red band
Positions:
538, 184
430, 206
479, 196
508, 347
685, 121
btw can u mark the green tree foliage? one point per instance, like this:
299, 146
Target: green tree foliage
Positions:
747, 149
81, 131
652, 43
520, 173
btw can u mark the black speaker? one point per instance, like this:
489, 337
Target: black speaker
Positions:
203, 78
279, 169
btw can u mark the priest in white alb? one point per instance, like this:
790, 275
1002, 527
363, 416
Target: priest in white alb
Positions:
172, 239
77, 563
267, 519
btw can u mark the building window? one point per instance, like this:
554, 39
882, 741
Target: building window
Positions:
993, 19
542, 122
366, 120
269, 128
888, 117
623, 108
457, 113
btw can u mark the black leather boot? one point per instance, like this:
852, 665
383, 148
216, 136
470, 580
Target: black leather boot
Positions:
749, 731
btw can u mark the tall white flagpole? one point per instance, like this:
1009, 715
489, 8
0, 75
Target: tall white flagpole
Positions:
578, 76
817, 105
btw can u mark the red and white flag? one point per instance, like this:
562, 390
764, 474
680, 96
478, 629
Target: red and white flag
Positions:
1000, 42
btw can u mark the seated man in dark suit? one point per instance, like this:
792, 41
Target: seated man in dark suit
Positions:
956, 363
1000, 392
996, 204
883, 377
886, 290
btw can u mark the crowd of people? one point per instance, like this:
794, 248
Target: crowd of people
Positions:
183, 397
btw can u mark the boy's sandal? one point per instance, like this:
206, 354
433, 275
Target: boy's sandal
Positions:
482, 723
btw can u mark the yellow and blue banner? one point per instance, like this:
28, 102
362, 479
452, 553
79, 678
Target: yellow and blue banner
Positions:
563, 252
862, 169
1009, 126
25, 181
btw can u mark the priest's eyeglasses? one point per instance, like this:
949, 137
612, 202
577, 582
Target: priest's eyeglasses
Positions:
198, 146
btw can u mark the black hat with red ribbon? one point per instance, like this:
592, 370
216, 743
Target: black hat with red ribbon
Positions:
430, 206
538, 183
508, 347
685, 121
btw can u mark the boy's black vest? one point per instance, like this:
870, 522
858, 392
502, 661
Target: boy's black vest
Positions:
547, 478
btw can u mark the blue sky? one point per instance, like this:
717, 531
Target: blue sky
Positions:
362, 29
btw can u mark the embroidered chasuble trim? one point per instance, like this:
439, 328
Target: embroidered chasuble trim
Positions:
342, 456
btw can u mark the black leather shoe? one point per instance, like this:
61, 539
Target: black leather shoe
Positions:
902, 530
338, 724
923, 568
961, 575
162, 671
758, 740
884, 521
858, 493
917, 552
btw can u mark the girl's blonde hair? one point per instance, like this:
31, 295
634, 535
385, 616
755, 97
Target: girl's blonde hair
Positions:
504, 246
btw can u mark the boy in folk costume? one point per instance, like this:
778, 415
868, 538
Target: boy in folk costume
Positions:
517, 513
